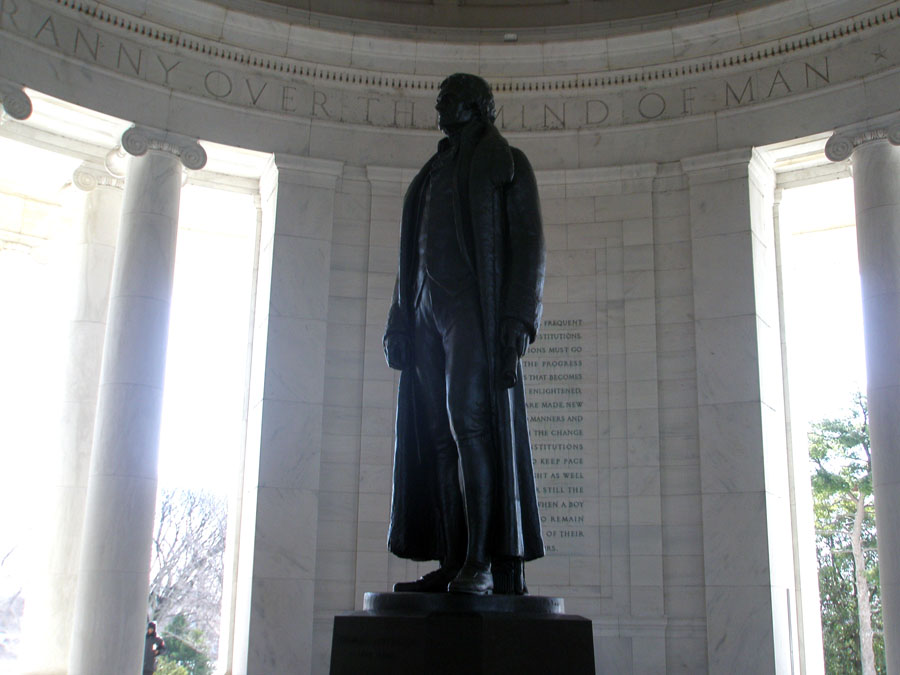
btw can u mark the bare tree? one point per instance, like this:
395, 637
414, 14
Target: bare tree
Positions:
188, 560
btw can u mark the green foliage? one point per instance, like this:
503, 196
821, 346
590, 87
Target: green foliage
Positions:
186, 650
166, 666
840, 451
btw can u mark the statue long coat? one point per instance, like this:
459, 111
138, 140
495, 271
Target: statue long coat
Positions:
498, 222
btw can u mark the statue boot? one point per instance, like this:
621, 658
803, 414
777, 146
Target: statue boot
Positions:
453, 520
475, 576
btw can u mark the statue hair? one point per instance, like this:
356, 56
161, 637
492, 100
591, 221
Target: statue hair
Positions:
475, 89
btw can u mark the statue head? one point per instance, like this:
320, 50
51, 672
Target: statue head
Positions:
462, 98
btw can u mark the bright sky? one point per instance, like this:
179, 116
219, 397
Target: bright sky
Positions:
826, 358
208, 336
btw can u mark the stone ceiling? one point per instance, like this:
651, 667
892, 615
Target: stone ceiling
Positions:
572, 16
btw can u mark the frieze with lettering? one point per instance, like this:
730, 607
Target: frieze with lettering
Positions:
277, 85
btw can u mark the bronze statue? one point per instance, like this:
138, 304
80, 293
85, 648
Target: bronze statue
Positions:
466, 305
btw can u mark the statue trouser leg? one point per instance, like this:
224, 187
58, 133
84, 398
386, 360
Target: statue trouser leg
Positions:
467, 386
476, 456
431, 376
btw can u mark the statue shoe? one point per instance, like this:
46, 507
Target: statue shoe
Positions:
473, 579
433, 582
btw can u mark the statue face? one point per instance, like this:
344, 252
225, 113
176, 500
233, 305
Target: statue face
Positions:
454, 109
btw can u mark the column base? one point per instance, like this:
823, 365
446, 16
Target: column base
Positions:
400, 633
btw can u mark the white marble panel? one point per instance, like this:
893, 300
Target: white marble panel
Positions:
678, 432
288, 377
736, 550
307, 44
255, 32
676, 337
683, 539
346, 311
712, 35
285, 537
339, 477
299, 279
335, 565
337, 535
192, 16
433, 57
568, 57
637, 231
727, 360
759, 24
375, 477
338, 507
684, 571
290, 436
673, 283
279, 644
739, 629
341, 449
395, 55
731, 447
637, 49
341, 420
723, 276
303, 211
687, 602
640, 312
627, 207
345, 392
672, 256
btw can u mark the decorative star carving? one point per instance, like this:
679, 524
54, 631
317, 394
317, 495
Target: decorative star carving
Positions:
879, 54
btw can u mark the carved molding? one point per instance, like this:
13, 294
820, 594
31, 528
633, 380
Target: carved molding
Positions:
15, 101
90, 176
750, 56
843, 142
138, 140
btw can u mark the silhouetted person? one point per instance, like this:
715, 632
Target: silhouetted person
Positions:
153, 647
466, 305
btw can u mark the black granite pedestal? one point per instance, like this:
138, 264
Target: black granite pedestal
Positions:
440, 633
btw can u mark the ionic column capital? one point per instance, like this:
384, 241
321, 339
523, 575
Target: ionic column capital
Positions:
14, 100
846, 139
91, 175
137, 140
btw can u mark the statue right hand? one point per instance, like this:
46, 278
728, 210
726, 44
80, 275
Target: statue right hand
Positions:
397, 351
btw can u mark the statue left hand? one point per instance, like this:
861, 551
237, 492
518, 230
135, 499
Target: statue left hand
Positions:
514, 334
514, 340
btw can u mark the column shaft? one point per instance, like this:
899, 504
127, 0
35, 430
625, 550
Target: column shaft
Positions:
876, 179
90, 256
111, 603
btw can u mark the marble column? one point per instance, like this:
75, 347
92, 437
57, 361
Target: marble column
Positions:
875, 159
276, 581
111, 598
89, 252
745, 497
